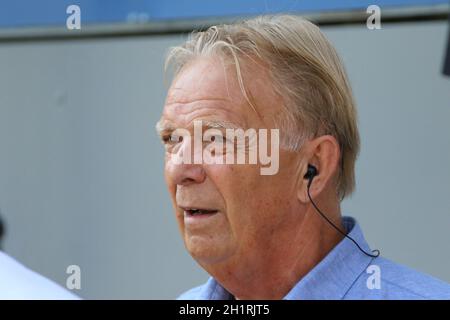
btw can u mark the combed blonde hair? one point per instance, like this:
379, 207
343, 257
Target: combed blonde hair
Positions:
305, 70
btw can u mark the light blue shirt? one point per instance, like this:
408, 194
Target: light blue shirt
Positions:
347, 273
19, 282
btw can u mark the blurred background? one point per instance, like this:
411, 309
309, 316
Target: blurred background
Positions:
81, 168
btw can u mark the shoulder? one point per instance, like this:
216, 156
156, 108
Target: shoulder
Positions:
192, 294
415, 282
19, 282
210, 290
400, 282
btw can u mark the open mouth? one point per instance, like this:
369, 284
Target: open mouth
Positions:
193, 212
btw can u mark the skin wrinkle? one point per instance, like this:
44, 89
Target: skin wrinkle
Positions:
190, 116
265, 236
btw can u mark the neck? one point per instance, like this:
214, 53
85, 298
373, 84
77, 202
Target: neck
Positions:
274, 273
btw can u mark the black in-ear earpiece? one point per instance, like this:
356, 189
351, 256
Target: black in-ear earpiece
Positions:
311, 173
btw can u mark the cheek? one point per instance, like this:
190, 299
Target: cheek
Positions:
256, 204
240, 187
168, 177
172, 189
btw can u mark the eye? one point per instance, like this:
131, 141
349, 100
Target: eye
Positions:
171, 138
216, 138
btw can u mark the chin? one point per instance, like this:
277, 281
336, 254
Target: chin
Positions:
203, 250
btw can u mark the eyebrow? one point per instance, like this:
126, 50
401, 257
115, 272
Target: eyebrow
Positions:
167, 126
220, 124
164, 126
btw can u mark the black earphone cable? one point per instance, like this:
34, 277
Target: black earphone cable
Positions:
375, 253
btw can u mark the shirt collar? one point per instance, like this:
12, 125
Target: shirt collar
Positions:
329, 279
335, 274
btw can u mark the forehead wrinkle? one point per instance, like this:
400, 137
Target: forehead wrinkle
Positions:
223, 118
190, 101
202, 109
187, 92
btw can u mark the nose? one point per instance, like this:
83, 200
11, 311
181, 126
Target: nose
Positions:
185, 174
182, 168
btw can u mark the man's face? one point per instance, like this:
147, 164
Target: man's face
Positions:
248, 213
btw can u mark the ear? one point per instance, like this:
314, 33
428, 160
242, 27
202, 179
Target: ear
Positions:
324, 153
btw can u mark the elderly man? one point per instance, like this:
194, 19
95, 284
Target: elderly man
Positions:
276, 235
